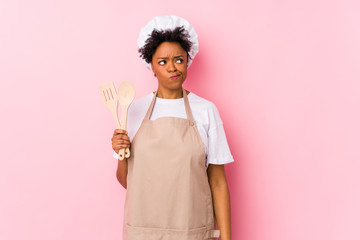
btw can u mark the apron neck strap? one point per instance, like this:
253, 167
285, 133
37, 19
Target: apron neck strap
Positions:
186, 101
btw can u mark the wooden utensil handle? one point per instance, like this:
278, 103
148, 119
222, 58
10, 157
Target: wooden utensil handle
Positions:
122, 154
127, 152
116, 119
118, 126
124, 111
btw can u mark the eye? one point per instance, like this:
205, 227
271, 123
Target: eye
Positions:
180, 60
161, 62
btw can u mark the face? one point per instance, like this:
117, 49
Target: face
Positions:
170, 59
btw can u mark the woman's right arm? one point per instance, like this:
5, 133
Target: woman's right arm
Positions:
121, 140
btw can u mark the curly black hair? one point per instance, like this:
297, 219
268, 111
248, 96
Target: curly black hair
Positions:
179, 34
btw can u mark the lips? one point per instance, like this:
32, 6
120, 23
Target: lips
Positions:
175, 76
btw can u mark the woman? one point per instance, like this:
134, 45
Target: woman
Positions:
175, 179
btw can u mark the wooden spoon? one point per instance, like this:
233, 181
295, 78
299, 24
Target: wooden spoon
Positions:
125, 94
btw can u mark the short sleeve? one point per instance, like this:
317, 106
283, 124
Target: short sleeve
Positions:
115, 155
218, 148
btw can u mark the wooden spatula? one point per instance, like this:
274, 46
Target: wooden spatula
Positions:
126, 94
110, 99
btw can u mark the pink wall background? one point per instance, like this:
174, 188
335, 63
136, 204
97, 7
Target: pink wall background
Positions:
283, 74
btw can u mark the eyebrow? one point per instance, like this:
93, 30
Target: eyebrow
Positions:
167, 57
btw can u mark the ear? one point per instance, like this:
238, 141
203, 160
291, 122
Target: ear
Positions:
152, 68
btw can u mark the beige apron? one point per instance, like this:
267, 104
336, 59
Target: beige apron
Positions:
168, 194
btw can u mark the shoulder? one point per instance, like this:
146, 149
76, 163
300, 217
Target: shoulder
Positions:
202, 103
143, 99
205, 109
141, 103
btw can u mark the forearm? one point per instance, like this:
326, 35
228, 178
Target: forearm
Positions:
221, 200
121, 172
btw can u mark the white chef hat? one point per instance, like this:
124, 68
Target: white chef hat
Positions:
169, 22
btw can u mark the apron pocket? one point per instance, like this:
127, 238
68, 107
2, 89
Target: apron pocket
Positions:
141, 233
212, 234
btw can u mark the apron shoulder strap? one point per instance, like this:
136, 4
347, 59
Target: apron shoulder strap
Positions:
187, 106
149, 111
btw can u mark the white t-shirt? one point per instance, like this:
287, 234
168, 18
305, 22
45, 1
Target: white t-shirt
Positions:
205, 115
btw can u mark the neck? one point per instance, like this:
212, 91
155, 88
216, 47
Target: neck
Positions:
169, 94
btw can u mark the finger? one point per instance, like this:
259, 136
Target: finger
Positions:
120, 135
123, 137
120, 131
122, 142
121, 146
120, 139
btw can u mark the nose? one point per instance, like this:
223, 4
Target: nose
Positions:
171, 67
